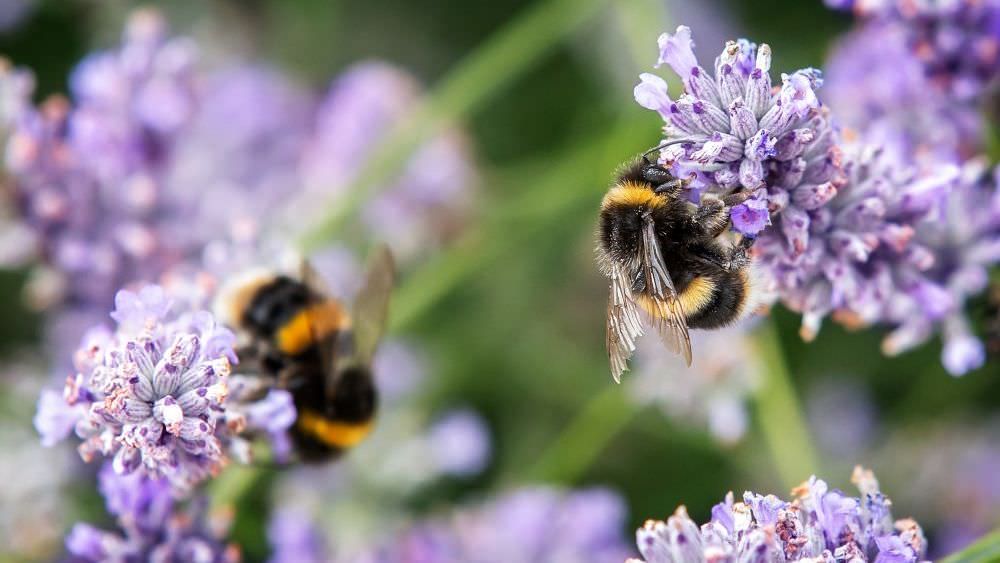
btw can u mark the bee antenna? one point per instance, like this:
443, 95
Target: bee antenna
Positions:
665, 145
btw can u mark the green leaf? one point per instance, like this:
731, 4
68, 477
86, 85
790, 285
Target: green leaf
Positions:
986, 550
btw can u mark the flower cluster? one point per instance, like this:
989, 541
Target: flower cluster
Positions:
874, 84
87, 177
820, 525
733, 132
154, 527
856, 255
122, 182
957, 42
152, 394
961, 242
517, 526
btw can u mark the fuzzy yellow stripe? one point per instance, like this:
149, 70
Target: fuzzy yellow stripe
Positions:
332, 432
632, 194
310, 324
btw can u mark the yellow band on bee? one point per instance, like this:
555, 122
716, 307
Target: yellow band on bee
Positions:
309, 325
697, 295
630, 193
332, 432
693, 299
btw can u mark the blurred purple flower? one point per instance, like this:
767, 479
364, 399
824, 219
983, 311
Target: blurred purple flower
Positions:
429, 201
517, 526
957, 42
874, 84
460, 442
87, 178
744, 136
952, 252
294, 538
713, 392
820, 525
153, 526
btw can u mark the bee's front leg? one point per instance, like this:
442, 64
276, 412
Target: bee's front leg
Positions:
739, 255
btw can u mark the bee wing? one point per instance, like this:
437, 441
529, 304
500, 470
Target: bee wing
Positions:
330, 349
371, 306
624, 325
658, 297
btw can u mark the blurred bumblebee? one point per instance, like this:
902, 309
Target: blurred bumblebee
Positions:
291, 331
666, 257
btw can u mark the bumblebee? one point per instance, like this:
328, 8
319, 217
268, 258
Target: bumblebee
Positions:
292, 332
666, 258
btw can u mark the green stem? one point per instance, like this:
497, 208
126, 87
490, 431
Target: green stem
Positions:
585, 437
779, 414
985, 550
515, 222
473, 82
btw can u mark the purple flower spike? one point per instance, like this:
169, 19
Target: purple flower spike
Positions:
819, 526
151, 394
153, 526
743, 135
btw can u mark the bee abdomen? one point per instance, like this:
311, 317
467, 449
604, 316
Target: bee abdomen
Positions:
333, 433
716, 301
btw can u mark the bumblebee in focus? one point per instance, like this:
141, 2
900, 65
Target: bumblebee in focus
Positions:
293, 332
665, 256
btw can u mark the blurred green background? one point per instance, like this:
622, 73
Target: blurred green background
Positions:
513, 313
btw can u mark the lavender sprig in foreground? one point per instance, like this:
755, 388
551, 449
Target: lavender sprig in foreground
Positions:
820, 526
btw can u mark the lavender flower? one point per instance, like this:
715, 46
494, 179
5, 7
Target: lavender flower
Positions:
87, 177
854, 255
154, 527
517, 526
429, 201
742, 136
154, 389
956, 42
956, 247
875, 84
713, 391
820, 525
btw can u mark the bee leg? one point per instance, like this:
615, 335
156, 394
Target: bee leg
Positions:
740, 256
670, 186
736, 198
712, 218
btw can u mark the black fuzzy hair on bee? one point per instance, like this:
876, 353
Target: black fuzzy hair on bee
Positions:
666, 260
